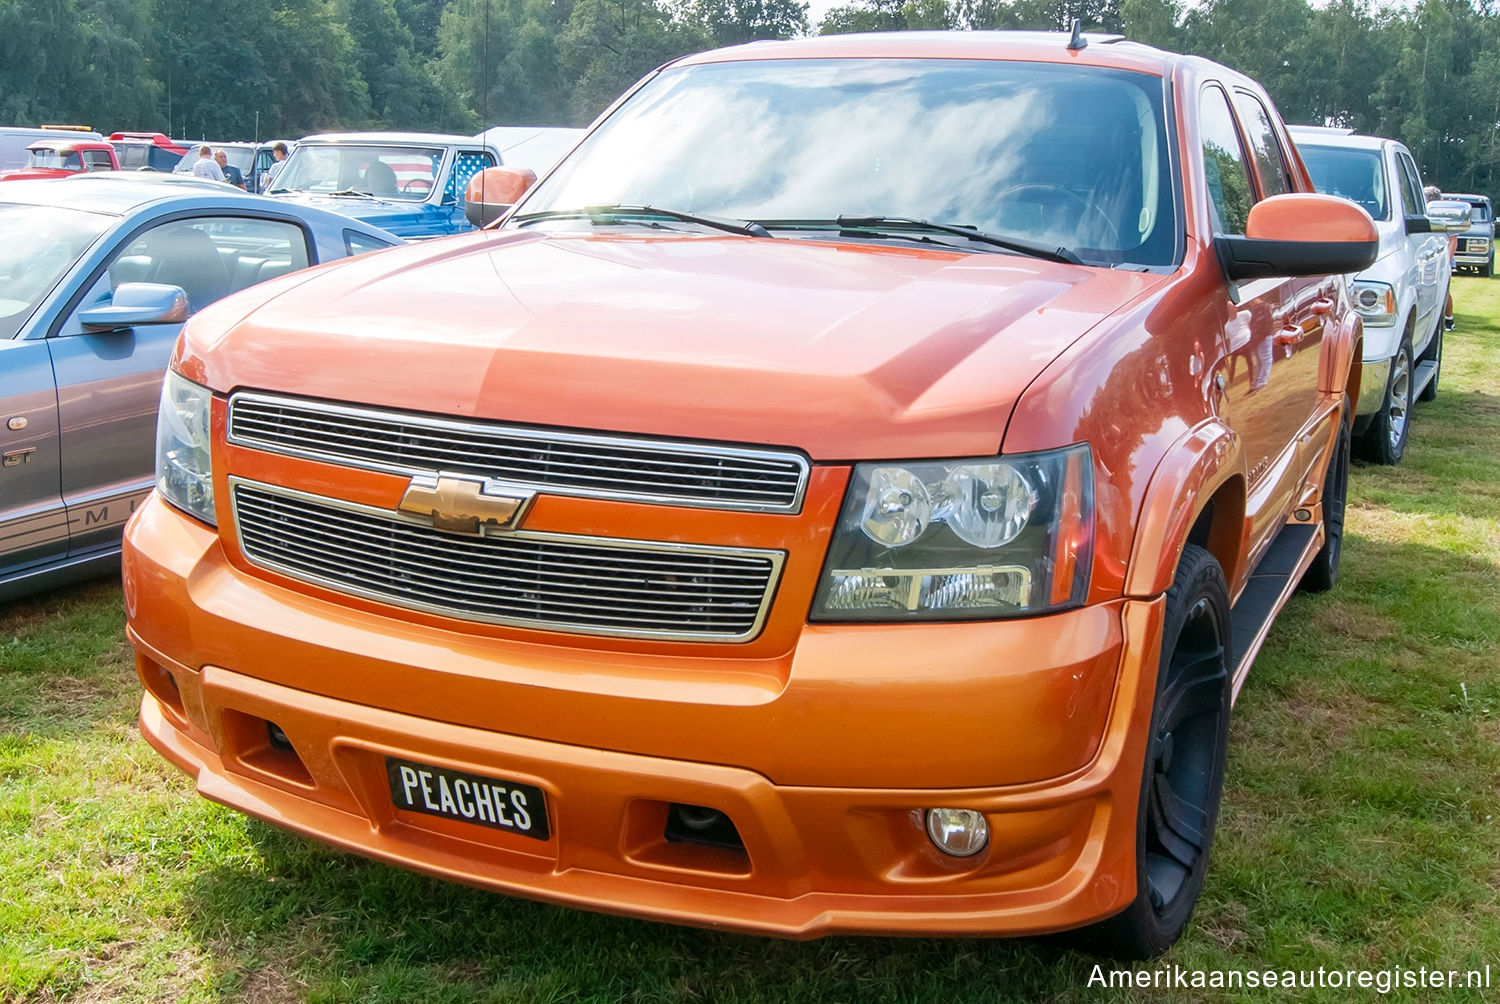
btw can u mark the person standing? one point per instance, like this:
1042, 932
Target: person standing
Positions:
279, 152
204, 166
232, 175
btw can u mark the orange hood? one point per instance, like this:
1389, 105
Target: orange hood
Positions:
846, 351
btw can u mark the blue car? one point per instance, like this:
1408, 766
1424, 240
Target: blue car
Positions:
97, 274
409, 183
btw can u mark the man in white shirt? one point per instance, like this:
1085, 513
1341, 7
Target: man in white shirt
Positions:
204, 166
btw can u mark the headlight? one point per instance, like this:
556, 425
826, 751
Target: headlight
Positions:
184, 469
961, 539
1375, 301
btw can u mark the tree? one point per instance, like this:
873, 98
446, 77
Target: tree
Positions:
1154, 22
610, 44
889, 15
75, 62
731, 22
1040, 15
499, 60
288, 65
403, 93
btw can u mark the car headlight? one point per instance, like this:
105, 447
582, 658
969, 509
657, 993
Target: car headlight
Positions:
1375, 301
961, 539
184, 467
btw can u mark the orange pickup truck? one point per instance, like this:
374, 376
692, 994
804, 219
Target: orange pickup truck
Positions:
844, 495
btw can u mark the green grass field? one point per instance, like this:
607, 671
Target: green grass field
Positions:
1359, 827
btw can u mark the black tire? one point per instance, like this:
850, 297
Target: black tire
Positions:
1487, 269
1433, 353
1184, 770
1384, 442
1324, 570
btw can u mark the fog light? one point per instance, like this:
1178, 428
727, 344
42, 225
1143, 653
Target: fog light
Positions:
959, 832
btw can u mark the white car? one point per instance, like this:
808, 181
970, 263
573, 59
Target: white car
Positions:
1401, 297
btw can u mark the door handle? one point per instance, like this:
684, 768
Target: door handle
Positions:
1289, 335
1322, 306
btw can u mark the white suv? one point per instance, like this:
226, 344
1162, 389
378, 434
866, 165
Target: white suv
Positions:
1402, 296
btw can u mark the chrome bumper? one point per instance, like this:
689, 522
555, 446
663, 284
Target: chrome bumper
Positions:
1373, 376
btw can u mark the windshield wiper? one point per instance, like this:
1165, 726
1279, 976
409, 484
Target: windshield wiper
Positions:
1017, 244
353, 192
747, 227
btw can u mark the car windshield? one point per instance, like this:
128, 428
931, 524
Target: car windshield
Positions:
1061, 155
44, 157
1357, 175
1480, 212
238, 157
389, 172
37, 245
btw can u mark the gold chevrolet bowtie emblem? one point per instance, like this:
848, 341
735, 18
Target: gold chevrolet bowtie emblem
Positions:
466, 505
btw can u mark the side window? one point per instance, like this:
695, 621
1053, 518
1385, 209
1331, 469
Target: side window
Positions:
468, 164
358, 243
209, 257
1412, 198
1270, 164
1229, 191
1412, 179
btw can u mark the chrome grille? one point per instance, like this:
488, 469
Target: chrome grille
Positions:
555, 462
589, 585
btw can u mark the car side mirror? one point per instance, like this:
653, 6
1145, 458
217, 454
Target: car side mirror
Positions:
1418, 225
1449, 217
493, 191
137, 303
1300, 234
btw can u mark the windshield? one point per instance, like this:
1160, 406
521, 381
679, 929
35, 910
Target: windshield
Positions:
1357, 175
43, 157
1480, 212
238, 157
390, 172
1057, 154
37, 245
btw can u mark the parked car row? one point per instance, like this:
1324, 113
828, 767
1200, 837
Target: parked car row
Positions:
1402, 298
864, 529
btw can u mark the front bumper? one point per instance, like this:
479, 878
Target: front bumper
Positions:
818, 858
1374, 375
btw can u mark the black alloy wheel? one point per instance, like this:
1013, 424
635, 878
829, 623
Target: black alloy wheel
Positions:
1184, 769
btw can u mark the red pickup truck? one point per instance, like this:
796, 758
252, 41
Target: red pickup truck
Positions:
47, 158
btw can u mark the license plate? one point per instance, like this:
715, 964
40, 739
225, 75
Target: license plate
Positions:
469, 798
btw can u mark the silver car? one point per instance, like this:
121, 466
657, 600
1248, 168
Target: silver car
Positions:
97, 275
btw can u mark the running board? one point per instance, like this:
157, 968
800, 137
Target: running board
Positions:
1426, 370
1271, 585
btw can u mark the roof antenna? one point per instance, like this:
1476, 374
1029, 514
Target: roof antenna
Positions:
1077, 41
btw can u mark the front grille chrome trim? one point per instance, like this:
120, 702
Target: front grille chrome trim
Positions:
592, 597
690, 474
